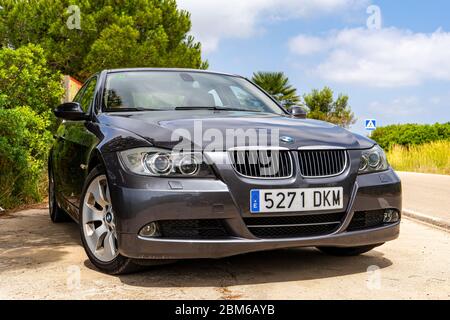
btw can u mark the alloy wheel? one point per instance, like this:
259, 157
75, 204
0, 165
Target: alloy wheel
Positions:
98, 220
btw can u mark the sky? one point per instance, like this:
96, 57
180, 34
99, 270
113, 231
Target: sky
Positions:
392, 58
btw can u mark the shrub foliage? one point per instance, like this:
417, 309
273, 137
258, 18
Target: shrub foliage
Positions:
410, 134
25, 80
28, 93
24, 145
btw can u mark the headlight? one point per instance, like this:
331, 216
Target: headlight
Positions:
160, 162
189, 165
373, 160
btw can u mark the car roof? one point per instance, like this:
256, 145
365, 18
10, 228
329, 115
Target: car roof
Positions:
170, 70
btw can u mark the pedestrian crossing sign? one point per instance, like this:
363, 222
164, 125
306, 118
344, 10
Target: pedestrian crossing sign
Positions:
371, 124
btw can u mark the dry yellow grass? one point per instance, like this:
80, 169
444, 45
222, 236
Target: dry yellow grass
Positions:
433, 157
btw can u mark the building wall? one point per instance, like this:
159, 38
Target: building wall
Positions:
71, 87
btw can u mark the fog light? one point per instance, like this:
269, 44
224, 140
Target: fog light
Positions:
391, 216
150, 230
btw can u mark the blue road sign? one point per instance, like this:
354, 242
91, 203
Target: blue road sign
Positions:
371, 124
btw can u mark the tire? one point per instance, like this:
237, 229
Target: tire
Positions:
97, 228
57, 215
347, 252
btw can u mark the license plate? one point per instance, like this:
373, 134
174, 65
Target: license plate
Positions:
296, 200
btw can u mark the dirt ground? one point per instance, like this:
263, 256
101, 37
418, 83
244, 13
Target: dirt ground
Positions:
41, 260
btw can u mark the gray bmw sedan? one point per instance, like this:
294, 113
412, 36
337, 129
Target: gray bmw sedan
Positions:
158, 165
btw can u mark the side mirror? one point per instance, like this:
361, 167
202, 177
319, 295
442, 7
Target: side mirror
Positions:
70, 111
298, 112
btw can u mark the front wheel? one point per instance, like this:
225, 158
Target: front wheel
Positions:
98, 226
347, 252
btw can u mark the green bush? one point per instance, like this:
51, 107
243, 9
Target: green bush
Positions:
24, 145
25, 80
410, 134
28, 93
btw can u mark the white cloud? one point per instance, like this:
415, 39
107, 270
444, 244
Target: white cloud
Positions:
213, 20
388, 57
306, 45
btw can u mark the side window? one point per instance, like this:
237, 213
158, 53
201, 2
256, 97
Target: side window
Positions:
88, 95
77, 97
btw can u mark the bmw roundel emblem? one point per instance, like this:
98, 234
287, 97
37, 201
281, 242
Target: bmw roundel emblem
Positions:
286, 139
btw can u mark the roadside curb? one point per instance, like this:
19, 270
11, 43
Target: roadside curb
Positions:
437, 222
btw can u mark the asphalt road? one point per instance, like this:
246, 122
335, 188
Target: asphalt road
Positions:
41, 260
427, 194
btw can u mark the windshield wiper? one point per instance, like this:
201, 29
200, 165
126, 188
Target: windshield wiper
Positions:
216, 108
130, 109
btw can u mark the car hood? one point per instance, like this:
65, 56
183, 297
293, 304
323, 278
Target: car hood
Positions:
163, 128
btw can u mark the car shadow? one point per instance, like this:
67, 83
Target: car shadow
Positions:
28, 239
254, 268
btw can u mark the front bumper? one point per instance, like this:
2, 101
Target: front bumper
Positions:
139, 200
143, 248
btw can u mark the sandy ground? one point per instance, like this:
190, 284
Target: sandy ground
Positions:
41, 260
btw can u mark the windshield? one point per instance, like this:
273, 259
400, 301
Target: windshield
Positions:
182, 90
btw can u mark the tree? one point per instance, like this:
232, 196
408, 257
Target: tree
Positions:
277, 84
111, 33
322, 106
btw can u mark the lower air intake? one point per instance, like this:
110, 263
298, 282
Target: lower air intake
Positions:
294, 226
193, 229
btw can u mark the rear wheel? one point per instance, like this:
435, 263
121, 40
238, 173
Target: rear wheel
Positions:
56, 213
98, 226
347, 252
